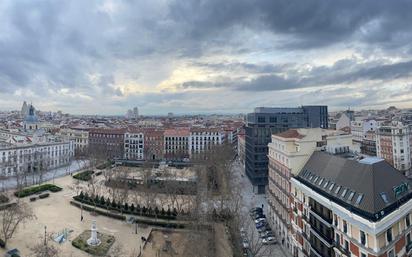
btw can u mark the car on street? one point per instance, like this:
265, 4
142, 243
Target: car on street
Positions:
264, 228
242, 232
266, 234
245, 243
269, 240
258, 220
261, 224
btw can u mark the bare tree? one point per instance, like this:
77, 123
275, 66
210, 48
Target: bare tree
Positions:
12, 217
43, 249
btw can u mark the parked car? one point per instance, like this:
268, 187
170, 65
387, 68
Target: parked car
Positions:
269, 240
245, 243
242, 232
260, 215
253, 211
260, 224
266, 233
258, 220
264, 228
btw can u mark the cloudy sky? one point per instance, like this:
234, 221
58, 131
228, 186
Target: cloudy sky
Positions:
202, 56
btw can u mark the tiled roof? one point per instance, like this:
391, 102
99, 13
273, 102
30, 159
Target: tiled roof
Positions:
290, 133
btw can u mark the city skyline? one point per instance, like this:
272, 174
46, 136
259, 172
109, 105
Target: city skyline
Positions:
107, 56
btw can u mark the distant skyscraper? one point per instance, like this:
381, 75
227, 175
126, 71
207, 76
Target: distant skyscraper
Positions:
262, 123
136, 112
24, 110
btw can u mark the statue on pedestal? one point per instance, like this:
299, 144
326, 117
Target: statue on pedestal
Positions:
93, 240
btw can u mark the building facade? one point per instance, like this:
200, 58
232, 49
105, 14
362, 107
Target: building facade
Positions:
203, 139
79, 137
288, 153
344, 207
107, 143
359, 128
153, 143
393, 143
264, 122
34, 158
176, 143
134, 145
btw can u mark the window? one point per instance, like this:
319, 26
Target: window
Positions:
351, 195
363, 255
331, 186
391, 253
407, 220
384, 197
346, 244
344, 192
345, 226
337, 189
337, 239
362, 237
359, 199
389, 235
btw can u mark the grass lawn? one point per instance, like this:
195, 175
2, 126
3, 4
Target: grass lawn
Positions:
107, 241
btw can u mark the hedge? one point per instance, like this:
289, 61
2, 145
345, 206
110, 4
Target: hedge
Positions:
45, 195
128, 209
37, 189
101, 212
84, 175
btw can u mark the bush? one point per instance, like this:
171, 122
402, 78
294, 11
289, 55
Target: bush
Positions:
32, 199
104, 165
45, 195
84, 175
37, 189
3, 199
2, 243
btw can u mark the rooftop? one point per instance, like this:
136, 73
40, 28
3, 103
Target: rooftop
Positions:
370, 187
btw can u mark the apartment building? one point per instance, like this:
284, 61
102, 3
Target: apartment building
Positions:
393, 143
288, 153
79, 137
368, 146
203, 139
264, 122
31, 157
359, 128
176, 143
134, 144
153, 143
348, 207
107, 143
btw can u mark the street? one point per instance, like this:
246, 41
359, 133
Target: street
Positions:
251, 200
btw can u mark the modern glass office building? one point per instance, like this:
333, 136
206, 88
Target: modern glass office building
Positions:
264, 122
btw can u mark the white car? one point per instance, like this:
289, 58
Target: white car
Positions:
269, 240
242, 232
259, 220
245, 243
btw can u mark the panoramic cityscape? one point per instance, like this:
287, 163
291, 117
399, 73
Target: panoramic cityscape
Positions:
235, 128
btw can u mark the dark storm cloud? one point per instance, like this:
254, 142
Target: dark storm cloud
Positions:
288, 77
313, 23
84, 45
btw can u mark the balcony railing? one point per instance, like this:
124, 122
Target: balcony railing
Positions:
408, 246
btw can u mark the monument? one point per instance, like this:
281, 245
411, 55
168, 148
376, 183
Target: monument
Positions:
93, 240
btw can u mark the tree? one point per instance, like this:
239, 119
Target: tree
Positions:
43, 249
12, 217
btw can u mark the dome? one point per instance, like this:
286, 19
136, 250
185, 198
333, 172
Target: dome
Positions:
31, 116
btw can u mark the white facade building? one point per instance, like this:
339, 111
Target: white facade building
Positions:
359, 129
80, 138
134, 145
34, 157
201, 139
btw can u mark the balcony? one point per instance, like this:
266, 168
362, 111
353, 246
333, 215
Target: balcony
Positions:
408, 247
326, 239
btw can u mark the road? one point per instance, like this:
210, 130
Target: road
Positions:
250, 200
10, 182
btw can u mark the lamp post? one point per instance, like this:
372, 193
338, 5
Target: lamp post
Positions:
45, 235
